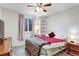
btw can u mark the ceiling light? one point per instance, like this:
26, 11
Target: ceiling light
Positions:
41, 9
37, 8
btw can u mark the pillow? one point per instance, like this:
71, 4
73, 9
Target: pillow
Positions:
60, 36
46, 35
51, 34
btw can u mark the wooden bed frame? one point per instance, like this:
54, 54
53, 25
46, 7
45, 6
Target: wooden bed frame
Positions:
34, 50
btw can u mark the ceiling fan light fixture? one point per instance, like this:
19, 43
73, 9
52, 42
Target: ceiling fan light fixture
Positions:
39, 9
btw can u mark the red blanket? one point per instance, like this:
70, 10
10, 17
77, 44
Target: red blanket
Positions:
52, 40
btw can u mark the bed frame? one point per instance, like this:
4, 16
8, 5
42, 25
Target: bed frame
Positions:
34, 50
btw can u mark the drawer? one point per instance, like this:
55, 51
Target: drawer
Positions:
72, 46
72, 52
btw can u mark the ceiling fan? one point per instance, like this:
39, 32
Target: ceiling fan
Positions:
40, 6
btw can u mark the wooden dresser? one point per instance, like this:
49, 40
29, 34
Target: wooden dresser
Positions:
5, 47
72, 48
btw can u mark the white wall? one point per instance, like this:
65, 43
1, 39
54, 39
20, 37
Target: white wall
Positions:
10, 19
62, 22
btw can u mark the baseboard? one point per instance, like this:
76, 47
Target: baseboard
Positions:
17, 46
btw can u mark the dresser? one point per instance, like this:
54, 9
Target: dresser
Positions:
72, 48
5, 47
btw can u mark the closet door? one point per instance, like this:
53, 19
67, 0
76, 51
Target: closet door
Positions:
1, 29
43, 27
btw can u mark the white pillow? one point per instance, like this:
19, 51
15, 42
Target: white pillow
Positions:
47, 35
60, 37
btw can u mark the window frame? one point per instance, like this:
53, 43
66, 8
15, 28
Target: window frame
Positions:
28, 21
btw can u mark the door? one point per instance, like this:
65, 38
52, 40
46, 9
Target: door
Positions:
1, 29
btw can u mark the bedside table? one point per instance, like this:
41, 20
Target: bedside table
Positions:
72, 48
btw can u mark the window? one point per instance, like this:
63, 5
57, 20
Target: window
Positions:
28, 24
25, 24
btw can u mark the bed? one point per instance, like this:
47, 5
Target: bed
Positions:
36, 45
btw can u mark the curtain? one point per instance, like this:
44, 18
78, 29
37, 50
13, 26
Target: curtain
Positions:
36, 26
21, 27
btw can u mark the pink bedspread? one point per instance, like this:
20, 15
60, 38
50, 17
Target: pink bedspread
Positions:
52, 40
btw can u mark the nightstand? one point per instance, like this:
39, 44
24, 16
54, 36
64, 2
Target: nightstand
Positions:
72, 48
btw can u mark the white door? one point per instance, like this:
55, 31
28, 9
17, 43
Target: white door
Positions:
1, 29
28, 28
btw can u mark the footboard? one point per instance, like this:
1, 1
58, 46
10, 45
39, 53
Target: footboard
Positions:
32, 49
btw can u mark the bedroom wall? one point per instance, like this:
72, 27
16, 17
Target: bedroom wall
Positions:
63, 22
10, 19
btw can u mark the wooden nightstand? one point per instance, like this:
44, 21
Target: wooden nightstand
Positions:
72, 48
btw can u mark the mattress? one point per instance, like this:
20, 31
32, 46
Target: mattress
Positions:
54, 45
38, 41
51, 49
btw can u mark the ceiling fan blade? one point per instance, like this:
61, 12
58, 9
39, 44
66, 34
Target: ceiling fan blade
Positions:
41, 3
44, 10
47, 4
30, 6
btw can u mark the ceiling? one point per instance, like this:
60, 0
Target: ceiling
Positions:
22, 8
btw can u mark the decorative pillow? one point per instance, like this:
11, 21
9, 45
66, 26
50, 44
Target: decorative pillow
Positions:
51, 34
